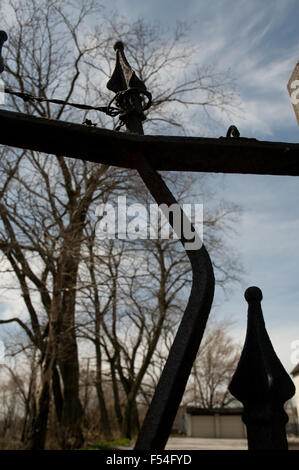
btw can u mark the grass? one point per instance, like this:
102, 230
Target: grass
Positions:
106, 445
10, 444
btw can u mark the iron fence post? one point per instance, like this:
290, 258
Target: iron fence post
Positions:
261, 383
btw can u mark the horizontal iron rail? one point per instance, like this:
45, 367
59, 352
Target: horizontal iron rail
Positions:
223, 155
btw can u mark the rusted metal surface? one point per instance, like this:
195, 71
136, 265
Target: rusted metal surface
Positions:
232, 155
261, 383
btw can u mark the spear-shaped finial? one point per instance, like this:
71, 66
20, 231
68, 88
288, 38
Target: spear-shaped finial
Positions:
3, 38
123, 76
129, 90
261, 383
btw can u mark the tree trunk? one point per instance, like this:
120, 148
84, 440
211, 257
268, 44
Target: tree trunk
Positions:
57, 393
130, 424
72, 412
117, 407
105, 427
38, 429
68, 362
30, 405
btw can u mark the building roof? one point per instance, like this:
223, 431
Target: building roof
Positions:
214, 411
295, 371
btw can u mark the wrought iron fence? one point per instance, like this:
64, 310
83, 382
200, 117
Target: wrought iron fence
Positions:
260, 381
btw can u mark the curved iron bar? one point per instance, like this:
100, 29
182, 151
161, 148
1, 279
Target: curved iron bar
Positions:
169, 391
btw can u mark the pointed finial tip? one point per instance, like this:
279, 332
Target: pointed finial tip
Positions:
253, 293
119, 45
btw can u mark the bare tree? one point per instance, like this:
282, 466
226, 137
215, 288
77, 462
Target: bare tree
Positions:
213, 369
46, 202
21, 383
167, 62
44, 209
135, 293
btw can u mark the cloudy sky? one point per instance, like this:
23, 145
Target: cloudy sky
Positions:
259, 42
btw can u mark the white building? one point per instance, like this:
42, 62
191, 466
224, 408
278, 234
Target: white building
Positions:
215, 423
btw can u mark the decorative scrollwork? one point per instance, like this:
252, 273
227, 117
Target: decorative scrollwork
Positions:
129, 92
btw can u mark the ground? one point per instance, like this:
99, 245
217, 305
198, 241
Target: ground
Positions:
196, 443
